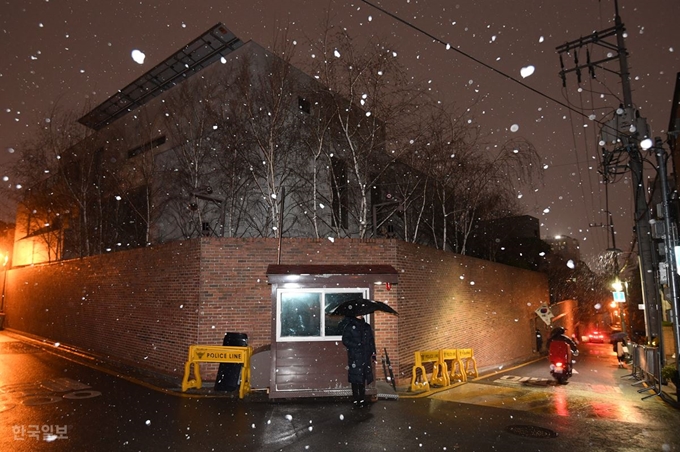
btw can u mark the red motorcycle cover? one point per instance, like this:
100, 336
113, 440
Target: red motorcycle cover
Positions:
560, 351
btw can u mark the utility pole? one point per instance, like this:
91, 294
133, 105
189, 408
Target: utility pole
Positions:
625, 131
670, 244
612, 233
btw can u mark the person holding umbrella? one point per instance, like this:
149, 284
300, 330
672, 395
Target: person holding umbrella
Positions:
357, 337
620, 347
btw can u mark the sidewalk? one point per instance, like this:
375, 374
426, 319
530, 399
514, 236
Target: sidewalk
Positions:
668, 392
171, 385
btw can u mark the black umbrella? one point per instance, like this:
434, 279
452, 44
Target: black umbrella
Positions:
361, 306
619, 335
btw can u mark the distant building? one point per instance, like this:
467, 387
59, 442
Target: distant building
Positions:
564, 246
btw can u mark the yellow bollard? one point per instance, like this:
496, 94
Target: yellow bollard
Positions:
217, 354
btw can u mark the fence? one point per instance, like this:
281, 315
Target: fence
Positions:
646, 368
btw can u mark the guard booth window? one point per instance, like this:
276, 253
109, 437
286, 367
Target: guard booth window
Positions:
303, 313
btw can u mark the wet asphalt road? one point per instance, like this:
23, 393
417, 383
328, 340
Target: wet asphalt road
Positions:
48, 402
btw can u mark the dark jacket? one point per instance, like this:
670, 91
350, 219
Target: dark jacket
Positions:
357, 336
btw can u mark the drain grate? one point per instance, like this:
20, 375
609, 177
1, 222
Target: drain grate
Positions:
531, 431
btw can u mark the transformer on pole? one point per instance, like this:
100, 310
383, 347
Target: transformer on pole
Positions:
621, 136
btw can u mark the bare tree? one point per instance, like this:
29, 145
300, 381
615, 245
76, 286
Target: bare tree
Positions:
356, 146
267, 135
135, 198
232, 180
59, 172
368, 92
443, 152
316, 122
492, 182
191, 165
467, 182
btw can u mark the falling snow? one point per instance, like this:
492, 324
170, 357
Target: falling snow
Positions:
527, 71
138, 56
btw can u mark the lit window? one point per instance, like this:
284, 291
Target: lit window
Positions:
303, 313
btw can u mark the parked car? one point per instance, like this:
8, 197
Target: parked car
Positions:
596, 336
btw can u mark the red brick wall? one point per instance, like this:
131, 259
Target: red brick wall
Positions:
235, 294
146, 306
138, 306
452, 301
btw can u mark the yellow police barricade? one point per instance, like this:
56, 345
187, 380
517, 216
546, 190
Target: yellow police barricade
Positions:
466, 356
456, 372
440, 374
451, 365
217, 354
419, 379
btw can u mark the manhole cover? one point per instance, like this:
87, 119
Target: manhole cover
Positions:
531, 431
16, 347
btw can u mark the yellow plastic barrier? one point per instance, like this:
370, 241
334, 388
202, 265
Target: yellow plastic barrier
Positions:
217, 354
454, 370
440, 373
419, 379
466, 356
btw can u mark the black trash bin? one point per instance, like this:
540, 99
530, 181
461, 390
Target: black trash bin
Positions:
229, 374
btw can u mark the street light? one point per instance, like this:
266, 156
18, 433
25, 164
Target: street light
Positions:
620, 298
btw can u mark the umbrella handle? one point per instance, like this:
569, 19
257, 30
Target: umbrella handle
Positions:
384, 366
389, 367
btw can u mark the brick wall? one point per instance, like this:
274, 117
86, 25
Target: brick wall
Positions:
146, 306
452, 301
138, 306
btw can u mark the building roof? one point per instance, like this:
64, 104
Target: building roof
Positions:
200, 53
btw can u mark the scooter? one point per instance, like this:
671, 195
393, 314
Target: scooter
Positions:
561, 361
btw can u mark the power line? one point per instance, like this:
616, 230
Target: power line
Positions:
580, 171
476, 60
511, 78
586, 145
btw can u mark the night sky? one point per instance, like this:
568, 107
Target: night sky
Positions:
76, 53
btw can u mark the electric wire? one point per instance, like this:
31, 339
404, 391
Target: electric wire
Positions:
598, 237
578, 163
618, 156
585, 144
476, 60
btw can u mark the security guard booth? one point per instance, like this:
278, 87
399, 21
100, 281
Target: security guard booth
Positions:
308, 358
